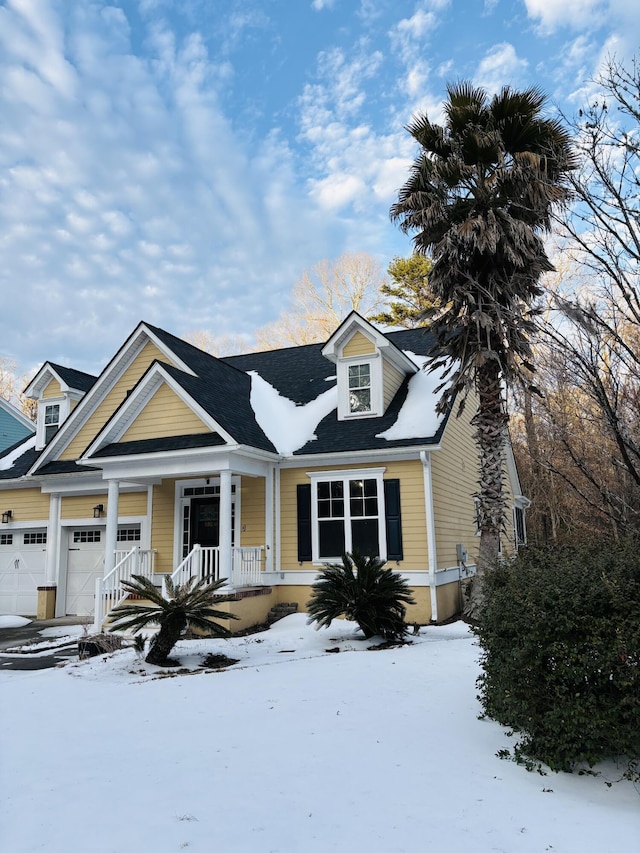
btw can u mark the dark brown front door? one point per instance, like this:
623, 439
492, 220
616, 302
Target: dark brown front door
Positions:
205, 522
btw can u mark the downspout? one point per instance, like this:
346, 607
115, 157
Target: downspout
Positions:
277, 544
425, 458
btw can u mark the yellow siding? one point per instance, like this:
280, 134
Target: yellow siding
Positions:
455, 480
26, 505
162, 525
113, 399
52, 389
252, 520
132, 503
411, 503
165, 414
358, 344
392, 380
300, 593
81, 506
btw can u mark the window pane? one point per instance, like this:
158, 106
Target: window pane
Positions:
371, 506
356, 488
323, 490
52, 414
331, 536
356, 506
364, 537
370, 488
360, 401
337, 489
49, 432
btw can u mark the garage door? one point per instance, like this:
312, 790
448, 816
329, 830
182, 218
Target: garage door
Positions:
23, 556
85, 564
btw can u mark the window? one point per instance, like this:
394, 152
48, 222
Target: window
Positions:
39, 538
51, 421
6, 538
519, 528
359, 388
347, 514
128, 534
86, 535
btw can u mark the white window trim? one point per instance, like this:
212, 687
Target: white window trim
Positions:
346, 475
518, 543
65, 406
374, 361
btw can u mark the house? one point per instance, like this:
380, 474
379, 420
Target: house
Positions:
14, 426
257, 468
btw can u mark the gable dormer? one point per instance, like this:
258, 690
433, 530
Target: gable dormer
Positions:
57, 391
370, 368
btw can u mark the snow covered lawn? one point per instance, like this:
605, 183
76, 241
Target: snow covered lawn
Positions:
293, 750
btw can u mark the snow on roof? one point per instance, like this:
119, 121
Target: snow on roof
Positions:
418, 417
7, 461
285, 424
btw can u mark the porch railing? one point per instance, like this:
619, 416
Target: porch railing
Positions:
109, 592
246, 566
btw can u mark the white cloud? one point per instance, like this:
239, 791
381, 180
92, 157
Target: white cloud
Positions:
499, 67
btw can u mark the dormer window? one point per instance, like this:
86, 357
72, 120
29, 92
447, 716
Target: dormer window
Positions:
359, 388
51, 421
369, 368
51, 415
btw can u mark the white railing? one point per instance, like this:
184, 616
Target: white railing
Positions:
109, 592
246, 566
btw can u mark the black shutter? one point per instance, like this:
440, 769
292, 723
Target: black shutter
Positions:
393, 519
304, 522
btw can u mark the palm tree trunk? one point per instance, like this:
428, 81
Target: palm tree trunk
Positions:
490, 422
166, 638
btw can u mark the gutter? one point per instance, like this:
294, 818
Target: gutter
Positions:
425, 458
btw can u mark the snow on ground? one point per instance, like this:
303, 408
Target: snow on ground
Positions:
9, 621
292, 749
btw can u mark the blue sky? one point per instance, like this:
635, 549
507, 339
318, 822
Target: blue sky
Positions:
183, 161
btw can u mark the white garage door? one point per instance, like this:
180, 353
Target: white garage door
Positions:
85, 564
23, 556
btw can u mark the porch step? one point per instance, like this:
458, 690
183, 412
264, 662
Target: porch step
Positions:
280, 611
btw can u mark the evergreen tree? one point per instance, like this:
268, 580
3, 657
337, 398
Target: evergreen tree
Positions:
408, 292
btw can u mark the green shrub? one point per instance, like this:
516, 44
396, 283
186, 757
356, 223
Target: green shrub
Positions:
560, 639
361, 589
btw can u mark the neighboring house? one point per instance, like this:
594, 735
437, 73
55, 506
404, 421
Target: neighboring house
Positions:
14, 426
258, 468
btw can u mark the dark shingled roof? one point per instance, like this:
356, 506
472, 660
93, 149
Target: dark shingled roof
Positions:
23, 463
156, 445
74, 378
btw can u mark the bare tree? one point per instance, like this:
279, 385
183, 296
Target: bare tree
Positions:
218, 345
600, 332
322, 297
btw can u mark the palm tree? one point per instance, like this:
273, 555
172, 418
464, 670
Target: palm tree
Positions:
478, 201
189, 605
361, 589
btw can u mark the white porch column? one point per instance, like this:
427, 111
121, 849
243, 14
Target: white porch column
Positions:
111, 534
53, 541
268, 521
225, 526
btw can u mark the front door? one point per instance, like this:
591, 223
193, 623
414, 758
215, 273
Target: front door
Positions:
205, 522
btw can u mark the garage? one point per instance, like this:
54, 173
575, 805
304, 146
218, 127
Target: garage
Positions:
85, 564
23, 555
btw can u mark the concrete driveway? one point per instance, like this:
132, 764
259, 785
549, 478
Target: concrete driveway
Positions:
17, 644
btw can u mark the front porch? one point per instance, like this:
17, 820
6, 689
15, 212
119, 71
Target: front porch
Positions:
203, 563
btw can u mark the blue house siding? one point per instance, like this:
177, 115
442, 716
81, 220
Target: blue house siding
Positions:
11, 430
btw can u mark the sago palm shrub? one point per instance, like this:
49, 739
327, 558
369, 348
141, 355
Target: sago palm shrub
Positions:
188, 605
361, 589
